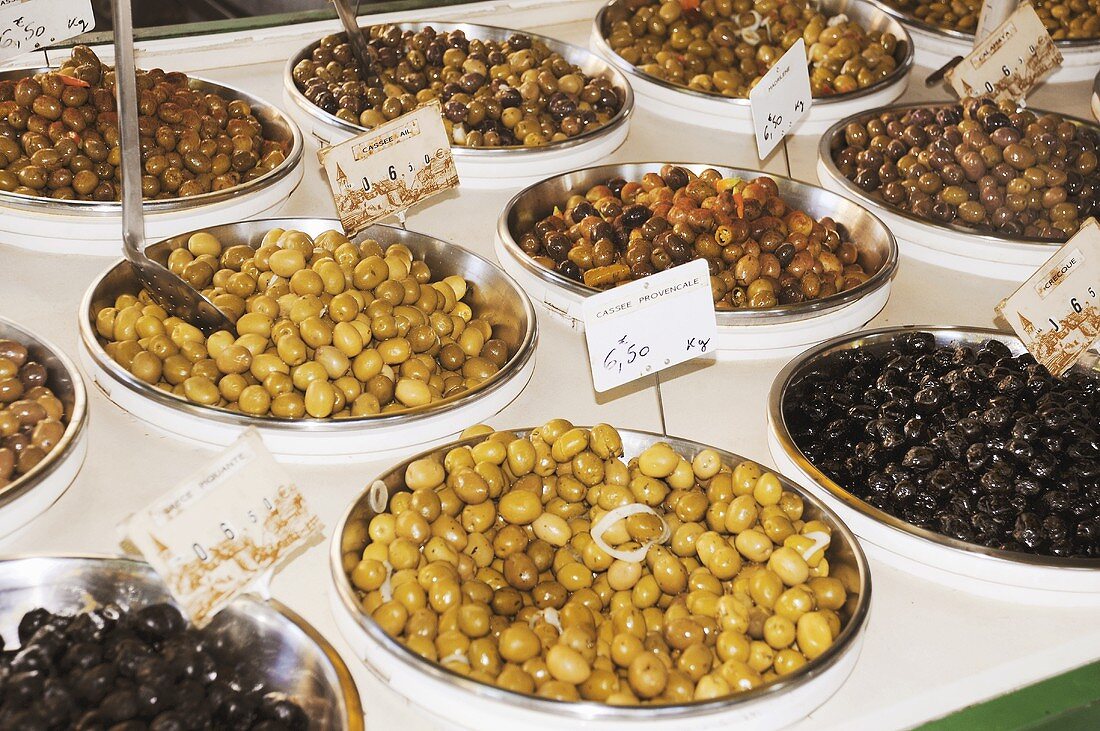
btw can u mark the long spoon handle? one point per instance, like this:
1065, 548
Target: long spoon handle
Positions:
133, 220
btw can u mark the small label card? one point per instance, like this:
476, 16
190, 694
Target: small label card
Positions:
390, 168
646, 326
780, 98
1056, 312
1009, 61
27, 25
223, 527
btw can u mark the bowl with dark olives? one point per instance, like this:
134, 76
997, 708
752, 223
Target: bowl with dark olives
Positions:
953, 455
516, 106
510, 606
43, 419
943, 30
344, 349
698, 62
969, 182
96, 642
210, 154
791, 264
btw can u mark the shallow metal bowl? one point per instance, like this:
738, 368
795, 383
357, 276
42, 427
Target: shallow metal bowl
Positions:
290, 655
493, 295
961, 36
833, 139
590, 63
350, 538
878, 251
877, 341
868, 15
64, 381
276, 125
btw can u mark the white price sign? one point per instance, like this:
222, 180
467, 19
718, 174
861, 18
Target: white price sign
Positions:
780, 98
645, 326
1056, 312
27, 25
390, 168
1009, 61
223, 528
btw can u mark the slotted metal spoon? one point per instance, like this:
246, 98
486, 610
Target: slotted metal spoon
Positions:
167, 289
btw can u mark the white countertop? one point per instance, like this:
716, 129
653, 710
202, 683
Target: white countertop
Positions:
928, 650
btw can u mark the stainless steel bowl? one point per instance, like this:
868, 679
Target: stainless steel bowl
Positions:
291, 655
868, 15
277, 126
957, 35
877, 341
844, 554
878, 251
493, 296
590, 63
833, 140
64, 381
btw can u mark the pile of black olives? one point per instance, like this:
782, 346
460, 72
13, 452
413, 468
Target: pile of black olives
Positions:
509, 93
113, 670
977, 164
970, 442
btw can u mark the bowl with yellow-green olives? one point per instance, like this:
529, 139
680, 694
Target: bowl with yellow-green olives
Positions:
210, 154
697, 62
943, 30
343, 349
790, 263
618, 578
43, 425
516, 106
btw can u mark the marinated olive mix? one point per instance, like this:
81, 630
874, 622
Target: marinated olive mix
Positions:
1064, 19
494, 94
32, 418
59, 135
325, 328
977, 164
725, 46
761, 250
109, 668
970, 442
548, 565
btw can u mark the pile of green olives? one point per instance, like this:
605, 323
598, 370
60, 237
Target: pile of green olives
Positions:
724, 47
506, 561
762, 250
325, 328
1064, 19
513, 93
59, 135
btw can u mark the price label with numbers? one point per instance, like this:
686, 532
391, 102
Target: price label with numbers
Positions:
27, 25
390, 168
651, 324
1056, 312
1008, 61
223, 528
780, 98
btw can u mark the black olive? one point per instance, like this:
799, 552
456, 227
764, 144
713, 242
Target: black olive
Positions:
157, 622
284, 712
119, 705
30, 623
93, 684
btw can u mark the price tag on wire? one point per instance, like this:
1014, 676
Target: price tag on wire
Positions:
27, 25
390, 168
654, 323
780, 98
1056, 312
1008, 62
223, 528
